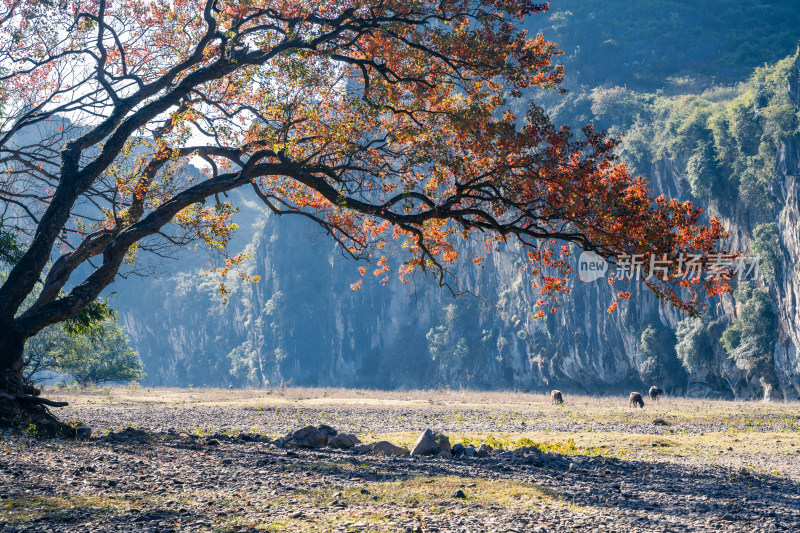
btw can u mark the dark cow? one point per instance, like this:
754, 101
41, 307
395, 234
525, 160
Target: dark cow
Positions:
656, 393
636, 400
556, 396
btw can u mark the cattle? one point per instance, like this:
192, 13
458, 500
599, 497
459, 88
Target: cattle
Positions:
636, 400
656, 393
556, 396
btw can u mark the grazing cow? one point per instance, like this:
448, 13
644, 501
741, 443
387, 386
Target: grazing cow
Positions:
636, 400
556, 396
656, 393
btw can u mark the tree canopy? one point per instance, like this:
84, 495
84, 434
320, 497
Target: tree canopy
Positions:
102, 357
377, 120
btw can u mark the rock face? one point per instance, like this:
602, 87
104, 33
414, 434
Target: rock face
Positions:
430, 443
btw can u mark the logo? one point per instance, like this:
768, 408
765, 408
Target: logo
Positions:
591, 267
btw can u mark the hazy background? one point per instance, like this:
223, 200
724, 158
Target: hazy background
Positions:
704, 118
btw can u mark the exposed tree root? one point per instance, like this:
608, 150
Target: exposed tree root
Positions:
32, 420
22, 411
31, 399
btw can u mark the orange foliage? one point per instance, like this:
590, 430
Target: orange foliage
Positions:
379, 121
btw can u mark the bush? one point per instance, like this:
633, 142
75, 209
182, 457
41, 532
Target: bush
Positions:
10, 249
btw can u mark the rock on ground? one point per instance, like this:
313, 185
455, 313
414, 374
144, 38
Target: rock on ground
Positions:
387, 448
343, 441
430, 443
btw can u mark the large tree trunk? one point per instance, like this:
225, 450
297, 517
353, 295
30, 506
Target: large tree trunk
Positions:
12, 344
21, 408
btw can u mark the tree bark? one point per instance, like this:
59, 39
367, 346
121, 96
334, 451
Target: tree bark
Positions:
12, 344
20, 405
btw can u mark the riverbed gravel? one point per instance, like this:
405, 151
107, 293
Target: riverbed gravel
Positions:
213, 466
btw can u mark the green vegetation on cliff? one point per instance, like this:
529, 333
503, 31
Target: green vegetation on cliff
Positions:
675, 45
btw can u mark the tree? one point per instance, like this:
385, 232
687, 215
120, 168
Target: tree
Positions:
766, 244
89, 358
660, 362
377, 120
750, 339
79, 343
99, 360
9, 247
693, 346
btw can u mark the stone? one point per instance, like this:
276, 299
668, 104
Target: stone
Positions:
282, 442
430, 443
387, 448
83, 432
458, 449
469, 451
527, 450
343, 441
327, 431
483, 451
362, 448
459, 494
308, 437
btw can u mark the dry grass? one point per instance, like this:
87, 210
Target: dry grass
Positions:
64, 509
505, 406
746, 427
381, 504
376, 505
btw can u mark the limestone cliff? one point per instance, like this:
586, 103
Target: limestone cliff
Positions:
302, 323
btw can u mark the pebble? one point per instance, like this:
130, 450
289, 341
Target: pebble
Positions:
235, 477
